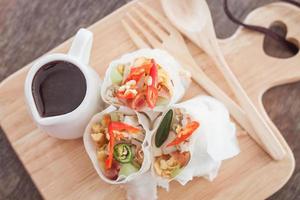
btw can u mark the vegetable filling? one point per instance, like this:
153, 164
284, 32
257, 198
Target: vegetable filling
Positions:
118, 138
144, 83
172, 140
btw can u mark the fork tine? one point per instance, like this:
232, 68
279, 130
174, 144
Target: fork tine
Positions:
157, 16
138, 41
150, 23
151, 39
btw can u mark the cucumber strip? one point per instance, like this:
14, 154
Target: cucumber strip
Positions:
115, 76
123, 153
127, 169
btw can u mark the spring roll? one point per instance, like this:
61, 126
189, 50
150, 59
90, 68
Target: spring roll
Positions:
118, 145
191, 139
145, 80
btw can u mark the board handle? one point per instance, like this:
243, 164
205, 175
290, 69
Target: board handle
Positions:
282, 70
261, 109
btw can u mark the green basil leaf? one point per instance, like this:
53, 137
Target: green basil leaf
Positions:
163, 130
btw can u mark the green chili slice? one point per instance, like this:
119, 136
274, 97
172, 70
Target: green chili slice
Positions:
123, 153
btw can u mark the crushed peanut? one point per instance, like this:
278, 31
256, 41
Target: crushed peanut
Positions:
97, 136
163, 164
178, 128
132, 91
139, 61
96, 128
107, 136
101, 156
157, 168
122, 88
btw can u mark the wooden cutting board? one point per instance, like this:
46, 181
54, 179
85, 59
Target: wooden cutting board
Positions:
62, 170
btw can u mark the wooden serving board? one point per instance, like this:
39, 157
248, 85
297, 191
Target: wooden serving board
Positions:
62, 170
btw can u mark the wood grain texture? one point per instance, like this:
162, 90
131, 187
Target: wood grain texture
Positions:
280, 102
61, 168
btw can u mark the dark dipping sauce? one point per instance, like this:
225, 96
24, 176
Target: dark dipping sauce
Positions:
58, 88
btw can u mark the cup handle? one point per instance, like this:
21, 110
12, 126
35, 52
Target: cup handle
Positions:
82, 45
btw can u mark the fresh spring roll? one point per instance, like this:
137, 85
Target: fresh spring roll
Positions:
145, 80
117, 143
191, 139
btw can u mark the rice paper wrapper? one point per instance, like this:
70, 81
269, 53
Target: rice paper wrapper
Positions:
179, 77
91, 148
143, 187
214, 141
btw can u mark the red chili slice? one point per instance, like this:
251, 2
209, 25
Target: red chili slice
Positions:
139, 101
120, 126
154, 73
152, 93
122, 95
136, 73
108, 161
185, 134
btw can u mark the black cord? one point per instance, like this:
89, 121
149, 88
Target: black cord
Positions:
268, 32
295, 3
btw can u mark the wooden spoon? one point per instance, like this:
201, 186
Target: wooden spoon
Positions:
193, 19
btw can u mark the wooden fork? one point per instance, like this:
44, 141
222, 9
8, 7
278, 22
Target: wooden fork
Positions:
168, 38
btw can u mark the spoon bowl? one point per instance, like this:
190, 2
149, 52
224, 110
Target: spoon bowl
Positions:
194, 15
193, 18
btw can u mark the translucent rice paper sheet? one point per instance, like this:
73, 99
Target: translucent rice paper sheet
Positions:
214, 141
179, 77
142, 188
91, 148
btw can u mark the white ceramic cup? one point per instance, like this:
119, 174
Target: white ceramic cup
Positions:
70, 125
